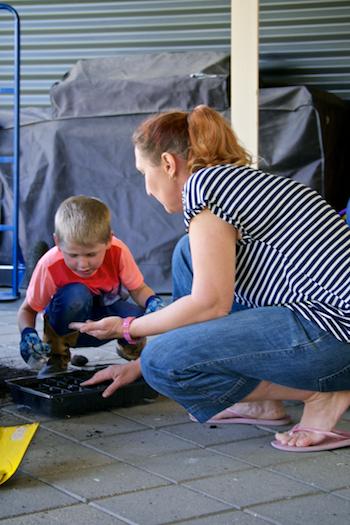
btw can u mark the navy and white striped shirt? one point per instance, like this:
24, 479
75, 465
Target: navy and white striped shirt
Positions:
294, 249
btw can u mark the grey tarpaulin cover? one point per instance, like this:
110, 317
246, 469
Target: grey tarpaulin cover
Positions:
82, 145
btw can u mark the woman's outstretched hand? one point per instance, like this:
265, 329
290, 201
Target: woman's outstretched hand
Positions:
119, 374
106, 328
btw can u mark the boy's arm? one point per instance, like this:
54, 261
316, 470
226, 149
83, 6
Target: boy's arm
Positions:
26, 316
130, 275
33, 350
141, 294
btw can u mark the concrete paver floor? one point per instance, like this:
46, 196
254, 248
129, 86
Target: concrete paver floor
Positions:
149, 465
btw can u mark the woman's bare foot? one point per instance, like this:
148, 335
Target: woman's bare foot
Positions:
256, 409
322, 411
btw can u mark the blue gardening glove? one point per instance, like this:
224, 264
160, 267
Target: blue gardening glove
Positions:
153, 304
33, 350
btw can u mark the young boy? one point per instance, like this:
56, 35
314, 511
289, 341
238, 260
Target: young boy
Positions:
79, 279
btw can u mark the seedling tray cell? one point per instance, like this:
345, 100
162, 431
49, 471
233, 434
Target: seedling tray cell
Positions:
62, 394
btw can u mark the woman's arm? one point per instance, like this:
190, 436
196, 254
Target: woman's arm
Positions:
213, 250
120, 375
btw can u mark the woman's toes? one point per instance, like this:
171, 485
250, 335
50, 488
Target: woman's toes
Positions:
298, 438
283, 437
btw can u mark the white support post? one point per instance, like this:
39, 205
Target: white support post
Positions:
245, 73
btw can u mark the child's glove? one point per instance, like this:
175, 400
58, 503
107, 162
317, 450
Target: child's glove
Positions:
33, 350
153, 304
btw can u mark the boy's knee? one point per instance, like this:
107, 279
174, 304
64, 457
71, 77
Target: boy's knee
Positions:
75, 292
73, 297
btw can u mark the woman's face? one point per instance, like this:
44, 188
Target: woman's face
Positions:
162, 182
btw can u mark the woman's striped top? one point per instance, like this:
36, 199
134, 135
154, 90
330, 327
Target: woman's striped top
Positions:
294, 249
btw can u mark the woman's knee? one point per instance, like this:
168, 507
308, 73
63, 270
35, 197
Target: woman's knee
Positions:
182, 252
182, 268
157, 363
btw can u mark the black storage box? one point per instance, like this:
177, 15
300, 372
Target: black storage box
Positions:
62, 394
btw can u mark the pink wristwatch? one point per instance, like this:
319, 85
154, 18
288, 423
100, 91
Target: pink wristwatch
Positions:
126, 333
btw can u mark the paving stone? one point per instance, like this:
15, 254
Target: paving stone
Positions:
162, 505
161, 412
259, 452
320, 509
22, 494
235, 517
250, 487
206, 435
140, 444
23, 411
343, 452
191, 464
9, 419
7, 337
105, 480
162, 455
312, 470
52, 453
96, 424
343, 493
75, 515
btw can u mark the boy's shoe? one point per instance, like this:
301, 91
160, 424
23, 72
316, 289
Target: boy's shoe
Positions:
59, 356
130, 352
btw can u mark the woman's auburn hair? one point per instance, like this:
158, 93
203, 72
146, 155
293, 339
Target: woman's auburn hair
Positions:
203, 137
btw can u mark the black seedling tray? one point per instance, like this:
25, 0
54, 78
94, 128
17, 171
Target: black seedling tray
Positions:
62, 394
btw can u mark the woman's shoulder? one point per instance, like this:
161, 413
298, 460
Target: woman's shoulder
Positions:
223, 170
210, 177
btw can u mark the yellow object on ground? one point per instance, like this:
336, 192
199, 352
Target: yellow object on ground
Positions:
14, 442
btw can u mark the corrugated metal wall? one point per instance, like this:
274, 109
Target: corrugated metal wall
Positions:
306, 42
57, 33
301, 42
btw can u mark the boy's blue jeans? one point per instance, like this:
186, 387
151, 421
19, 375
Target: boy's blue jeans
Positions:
209, 366
75, 302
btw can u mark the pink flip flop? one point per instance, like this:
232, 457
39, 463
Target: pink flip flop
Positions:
234, 419
332, 440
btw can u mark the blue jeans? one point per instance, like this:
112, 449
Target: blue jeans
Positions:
208, 366
75, 302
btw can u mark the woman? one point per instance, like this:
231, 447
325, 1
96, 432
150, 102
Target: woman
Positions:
256, 240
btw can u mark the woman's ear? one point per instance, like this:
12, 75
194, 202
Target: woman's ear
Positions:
55, 239
168, 162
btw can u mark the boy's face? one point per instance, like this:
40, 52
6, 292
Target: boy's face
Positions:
84, 261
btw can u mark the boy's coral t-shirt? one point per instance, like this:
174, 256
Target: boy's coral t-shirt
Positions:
51, 272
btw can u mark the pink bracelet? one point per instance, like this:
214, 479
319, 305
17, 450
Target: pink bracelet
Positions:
126, 330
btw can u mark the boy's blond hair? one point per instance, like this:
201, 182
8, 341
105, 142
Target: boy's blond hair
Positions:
83, 220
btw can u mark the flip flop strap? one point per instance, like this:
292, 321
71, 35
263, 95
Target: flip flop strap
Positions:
336, 434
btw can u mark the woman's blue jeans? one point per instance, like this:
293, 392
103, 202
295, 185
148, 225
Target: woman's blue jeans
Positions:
208, 366
76, 303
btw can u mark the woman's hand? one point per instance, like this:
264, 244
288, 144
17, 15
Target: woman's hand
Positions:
120, 375
106, 328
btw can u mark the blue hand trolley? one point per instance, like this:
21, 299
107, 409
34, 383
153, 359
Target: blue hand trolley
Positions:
16, 266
